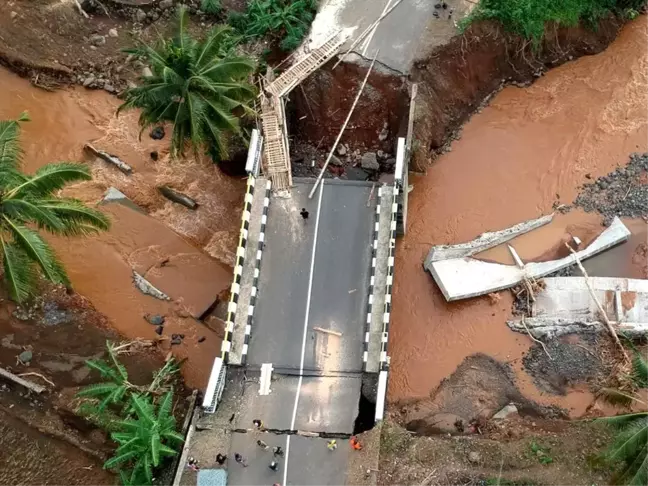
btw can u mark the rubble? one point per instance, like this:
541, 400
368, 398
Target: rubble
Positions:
460, 278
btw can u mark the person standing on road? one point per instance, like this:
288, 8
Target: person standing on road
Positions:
331, 445
220, 459
258, 424
355, 444
240, 459
262, 444
304, 214
277, 451
274, 465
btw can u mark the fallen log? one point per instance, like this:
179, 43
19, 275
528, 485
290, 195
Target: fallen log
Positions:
178, 197
111, 159
22, 382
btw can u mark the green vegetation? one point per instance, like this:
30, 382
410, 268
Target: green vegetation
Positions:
541, 452
286, 21
528, 18
138, 417
211, 7
630, 446
31, 201
201, 87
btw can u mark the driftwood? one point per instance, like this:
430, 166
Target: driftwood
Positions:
178, 197
147, 288
604, 316
111, 159
26, 383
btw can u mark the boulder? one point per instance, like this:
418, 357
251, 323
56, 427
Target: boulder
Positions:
155, 319
369, 161
88, 81
474, 457
109, 88
356, 174
164, 4
341, 149
335, 161
97, 40
25, 357
507, 411
146, 72
157, 133
140, 15
113, 33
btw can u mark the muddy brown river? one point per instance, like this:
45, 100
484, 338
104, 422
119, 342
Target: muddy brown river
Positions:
100, 267
528, 149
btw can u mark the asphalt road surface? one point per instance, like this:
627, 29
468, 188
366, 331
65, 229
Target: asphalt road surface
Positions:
315, 274
314, 278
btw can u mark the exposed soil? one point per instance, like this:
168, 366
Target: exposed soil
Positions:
513, 451
471, 395
572, 360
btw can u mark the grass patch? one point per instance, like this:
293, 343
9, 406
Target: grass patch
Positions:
394, 438
528, 18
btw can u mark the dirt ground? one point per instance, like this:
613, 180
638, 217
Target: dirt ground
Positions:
511, 451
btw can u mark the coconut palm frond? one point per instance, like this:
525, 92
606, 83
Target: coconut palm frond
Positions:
640, 370
76, 218
19, 274
51, 178
617, 397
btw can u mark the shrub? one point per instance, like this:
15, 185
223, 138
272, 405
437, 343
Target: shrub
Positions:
528, 18
286, 21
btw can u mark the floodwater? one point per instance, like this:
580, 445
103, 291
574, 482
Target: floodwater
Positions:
529, 148
172, 248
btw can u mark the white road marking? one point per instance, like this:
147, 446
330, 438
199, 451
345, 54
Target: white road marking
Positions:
367, 41
303, 349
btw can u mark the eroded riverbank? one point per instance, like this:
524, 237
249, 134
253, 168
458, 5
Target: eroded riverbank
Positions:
529, 149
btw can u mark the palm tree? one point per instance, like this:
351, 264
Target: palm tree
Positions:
29, 201
630, 445
144, 440
201, 87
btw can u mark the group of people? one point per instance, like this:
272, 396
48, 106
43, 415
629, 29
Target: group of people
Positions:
277, 451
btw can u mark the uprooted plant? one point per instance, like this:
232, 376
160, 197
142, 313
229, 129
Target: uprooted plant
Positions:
138, 417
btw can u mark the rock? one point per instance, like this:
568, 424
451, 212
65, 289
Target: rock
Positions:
93, 48
88, 81
201, 339
390, 161
155, 319
369, 161
356, 174
508, 410
382, 136
113, 33
154, 155
109, 88
158, 330
97, 40
25, 357
474, 457
439, 423
130, 84
13, 14
140, 15
381, 155
176, 339
342, 150
164, 4
146, 72
157, 133
335, 161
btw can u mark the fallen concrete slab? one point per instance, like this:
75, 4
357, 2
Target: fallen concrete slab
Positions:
484, 241
551, 327
460, 278
623, 299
